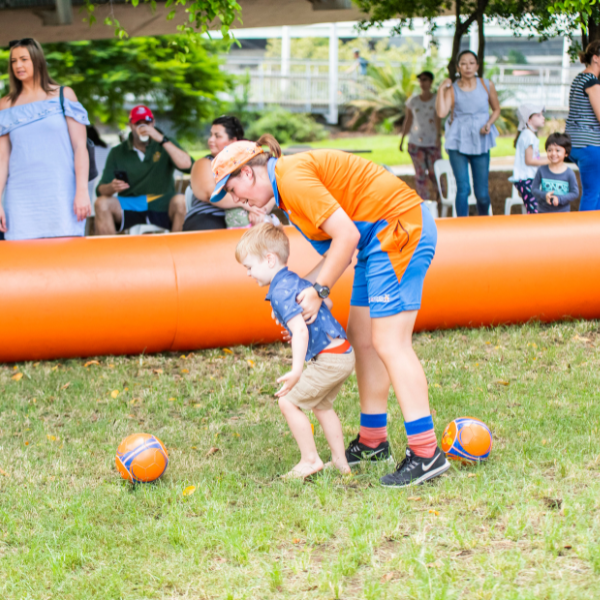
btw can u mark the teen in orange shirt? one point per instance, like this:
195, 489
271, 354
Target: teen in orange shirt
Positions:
341, 202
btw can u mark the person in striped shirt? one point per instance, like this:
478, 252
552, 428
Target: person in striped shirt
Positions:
583, 125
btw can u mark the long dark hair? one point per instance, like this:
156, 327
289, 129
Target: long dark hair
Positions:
232, 126
40, 69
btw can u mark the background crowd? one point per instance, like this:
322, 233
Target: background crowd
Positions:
46, 158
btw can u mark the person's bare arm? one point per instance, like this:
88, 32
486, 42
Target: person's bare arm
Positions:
534, 162
443, 100
112, 188
495, 104
438, 131
408, 121
181, 159
4, 158
344, 241
594, 96
299, 346
78, 134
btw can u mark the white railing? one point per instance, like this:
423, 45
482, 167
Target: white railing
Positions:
530, 83
304, 85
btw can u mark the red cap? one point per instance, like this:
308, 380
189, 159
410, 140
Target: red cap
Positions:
140, 113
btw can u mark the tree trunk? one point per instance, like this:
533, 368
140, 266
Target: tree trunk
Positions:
461, 28
481, 43
458, 33
593, 28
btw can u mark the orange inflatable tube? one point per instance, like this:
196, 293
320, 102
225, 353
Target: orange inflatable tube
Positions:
127, 295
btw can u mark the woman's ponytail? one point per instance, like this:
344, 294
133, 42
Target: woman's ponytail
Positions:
266, 139
592, 49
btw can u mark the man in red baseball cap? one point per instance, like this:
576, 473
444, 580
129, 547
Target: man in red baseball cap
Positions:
137, 185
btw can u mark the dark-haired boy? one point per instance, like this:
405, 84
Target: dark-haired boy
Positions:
555, 185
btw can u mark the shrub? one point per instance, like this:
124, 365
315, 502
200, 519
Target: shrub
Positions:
287, 127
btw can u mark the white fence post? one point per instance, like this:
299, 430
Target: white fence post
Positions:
286, 52
564, 79
332, 117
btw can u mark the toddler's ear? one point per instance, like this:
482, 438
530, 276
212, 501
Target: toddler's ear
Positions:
271, 260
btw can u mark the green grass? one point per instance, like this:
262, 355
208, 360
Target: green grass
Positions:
385, 148
523, 526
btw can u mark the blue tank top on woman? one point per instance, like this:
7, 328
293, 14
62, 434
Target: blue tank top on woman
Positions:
471, 113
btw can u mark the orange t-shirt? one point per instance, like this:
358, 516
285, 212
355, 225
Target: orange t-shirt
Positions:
313, 185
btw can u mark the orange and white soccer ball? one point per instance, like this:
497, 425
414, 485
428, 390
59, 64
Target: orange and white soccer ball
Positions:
467, 439
141, 458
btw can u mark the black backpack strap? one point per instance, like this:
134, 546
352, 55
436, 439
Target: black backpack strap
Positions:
61, 95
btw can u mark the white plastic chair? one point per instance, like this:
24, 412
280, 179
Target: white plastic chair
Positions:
514, 200
147, 228
442, 167
432, 206
189, 198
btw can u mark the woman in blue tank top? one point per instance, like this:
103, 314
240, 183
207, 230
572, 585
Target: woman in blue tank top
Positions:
470, 130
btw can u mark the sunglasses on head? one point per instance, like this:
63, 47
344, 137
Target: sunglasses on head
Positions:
144, 120
22, 42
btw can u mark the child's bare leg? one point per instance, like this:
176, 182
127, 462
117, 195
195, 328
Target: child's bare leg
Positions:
332, 428
310, 462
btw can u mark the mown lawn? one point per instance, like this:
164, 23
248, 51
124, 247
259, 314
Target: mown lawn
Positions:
385, 148
524, 526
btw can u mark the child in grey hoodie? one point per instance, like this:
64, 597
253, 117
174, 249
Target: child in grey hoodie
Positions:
555, 185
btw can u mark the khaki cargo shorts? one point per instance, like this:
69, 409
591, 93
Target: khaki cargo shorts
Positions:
321, 381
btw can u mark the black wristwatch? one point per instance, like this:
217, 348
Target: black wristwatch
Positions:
322, 290
164, 140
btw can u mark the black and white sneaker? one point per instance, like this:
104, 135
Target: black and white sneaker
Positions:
415, 470
356, 452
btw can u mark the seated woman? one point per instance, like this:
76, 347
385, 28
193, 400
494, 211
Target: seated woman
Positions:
203, 215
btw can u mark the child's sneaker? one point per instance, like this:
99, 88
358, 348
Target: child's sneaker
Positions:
355, 452
414, 470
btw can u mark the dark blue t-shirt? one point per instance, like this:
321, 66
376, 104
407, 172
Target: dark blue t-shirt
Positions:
282, 295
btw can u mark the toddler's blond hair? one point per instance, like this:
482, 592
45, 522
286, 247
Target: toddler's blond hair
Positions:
261, 240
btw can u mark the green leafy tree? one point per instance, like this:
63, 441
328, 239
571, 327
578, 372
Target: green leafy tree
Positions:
467, 12
519, 15
200, 15
585, 12
286, 126
384, 92
106, 73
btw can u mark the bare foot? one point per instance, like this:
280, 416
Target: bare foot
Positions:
341, 464
304, 469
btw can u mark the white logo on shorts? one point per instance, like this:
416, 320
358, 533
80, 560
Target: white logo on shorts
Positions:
383, 299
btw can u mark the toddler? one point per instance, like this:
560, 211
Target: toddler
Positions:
527, 156
264, 251
555, 186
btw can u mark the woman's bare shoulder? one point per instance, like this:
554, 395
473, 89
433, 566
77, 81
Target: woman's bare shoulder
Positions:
202, 165
70, 94
4, 102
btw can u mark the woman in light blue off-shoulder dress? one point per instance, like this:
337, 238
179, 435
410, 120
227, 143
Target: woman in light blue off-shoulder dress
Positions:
44, 164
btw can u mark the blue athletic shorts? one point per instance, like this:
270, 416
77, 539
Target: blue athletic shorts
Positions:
391, 268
